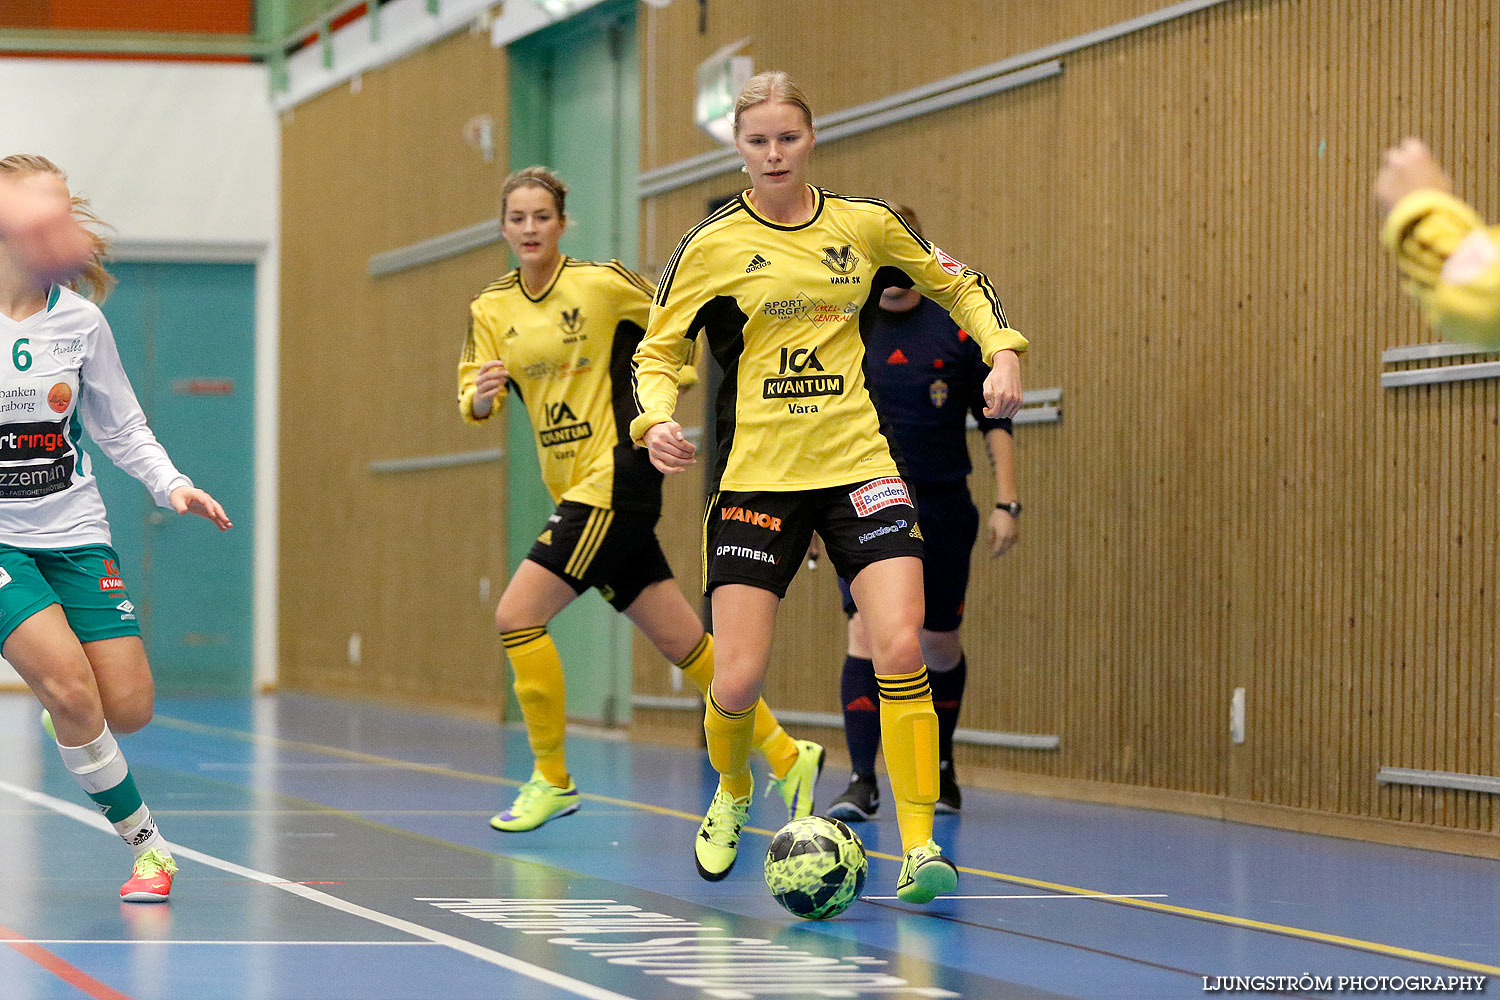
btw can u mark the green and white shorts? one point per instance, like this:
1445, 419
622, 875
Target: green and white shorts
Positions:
85, 580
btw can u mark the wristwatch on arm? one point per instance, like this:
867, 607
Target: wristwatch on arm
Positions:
1013, 508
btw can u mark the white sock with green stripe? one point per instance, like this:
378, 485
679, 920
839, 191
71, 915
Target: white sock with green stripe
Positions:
99, 767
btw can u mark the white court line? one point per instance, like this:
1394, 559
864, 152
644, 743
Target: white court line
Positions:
575, 986
1052, 895
257, 944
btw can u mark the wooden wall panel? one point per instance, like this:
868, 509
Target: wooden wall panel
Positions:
1182, 223
367, 373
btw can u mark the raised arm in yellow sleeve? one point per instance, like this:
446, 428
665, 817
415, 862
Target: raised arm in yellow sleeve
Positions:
480, 345
966, 293
1450, 262
656, 369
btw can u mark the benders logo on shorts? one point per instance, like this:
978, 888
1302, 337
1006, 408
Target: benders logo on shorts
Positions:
879, 494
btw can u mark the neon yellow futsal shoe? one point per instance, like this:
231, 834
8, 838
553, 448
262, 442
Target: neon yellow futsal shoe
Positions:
797, 785
150, 878
47, 725
538, 801
925, 874
718, 840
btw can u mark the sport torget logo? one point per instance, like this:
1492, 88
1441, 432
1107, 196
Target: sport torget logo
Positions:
557, 369
814, 311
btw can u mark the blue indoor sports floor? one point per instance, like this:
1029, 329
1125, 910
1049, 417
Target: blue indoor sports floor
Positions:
334, 849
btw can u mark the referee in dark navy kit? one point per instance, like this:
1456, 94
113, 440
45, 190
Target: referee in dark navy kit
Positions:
926, 376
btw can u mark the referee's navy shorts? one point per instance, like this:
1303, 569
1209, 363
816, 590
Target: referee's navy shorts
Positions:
950, 526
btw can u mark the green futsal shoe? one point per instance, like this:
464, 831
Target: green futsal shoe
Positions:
925, 874
47, 725
538, 801
796, 786
718, 840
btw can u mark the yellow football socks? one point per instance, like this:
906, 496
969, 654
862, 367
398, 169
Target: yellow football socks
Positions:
729, 735
909, 732
773, 741
541, 692
698, 666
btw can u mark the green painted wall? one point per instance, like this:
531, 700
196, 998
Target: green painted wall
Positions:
186, 334
574, 107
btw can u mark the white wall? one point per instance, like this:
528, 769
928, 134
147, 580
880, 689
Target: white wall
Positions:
183, 159
166, 151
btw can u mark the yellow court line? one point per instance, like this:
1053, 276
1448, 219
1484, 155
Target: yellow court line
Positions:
315, 810
1374, 947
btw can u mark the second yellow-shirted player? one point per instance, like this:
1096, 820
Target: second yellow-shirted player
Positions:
781, 282
559, 333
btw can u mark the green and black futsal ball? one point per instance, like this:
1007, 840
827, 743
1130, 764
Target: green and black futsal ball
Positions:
816, 867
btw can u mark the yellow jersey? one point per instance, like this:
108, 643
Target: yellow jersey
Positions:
567, 348
1450, 262
785, 310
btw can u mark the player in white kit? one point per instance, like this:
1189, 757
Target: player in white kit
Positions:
67, 623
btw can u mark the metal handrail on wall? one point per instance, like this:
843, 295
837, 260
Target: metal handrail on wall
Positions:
1437, 374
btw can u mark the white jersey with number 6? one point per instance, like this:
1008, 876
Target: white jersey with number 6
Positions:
60, 374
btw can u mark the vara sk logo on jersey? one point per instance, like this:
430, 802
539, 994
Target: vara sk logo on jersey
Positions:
840, 260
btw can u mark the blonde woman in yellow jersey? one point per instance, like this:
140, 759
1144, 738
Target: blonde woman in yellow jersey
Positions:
782, 280
559, 333
1449, 259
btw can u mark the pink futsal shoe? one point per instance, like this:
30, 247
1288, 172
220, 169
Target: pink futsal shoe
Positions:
150, 878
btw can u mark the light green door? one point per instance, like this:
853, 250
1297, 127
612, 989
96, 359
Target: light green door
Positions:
186, 334
574, 104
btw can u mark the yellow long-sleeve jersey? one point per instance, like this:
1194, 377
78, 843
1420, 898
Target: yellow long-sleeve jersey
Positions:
785, 310
567, 349
1450, 262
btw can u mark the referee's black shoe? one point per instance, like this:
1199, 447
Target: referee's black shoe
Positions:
950, 799
860, 801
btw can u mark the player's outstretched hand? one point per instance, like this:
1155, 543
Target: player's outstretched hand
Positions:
191, 500
1002, 387
670, 450
1405, 168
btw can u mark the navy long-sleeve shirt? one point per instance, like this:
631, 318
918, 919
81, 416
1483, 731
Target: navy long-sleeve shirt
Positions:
927, 375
